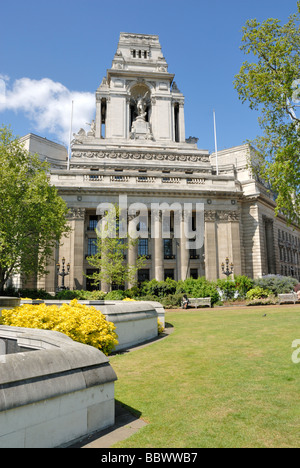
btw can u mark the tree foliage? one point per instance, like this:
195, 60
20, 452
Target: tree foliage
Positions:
271, 85
32, 215
110, 262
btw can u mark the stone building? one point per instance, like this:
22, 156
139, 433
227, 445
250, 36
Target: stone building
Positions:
137, 147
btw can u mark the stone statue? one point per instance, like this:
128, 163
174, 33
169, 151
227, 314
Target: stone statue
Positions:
141, 104
93, 128
79, 137
140, 127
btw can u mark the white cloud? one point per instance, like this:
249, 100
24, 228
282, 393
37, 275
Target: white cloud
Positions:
48, 105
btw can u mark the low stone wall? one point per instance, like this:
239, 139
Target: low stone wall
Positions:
9, 303
156, 305
135, 321
52, 389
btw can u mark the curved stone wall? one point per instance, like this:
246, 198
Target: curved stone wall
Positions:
52, 389
135, 321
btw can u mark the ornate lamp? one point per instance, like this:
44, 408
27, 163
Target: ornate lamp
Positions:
63, 273
226, 268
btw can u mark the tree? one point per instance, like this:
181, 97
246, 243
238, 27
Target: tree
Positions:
32, 215
109, 261
271, 84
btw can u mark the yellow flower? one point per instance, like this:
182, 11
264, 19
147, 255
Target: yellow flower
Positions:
78, 321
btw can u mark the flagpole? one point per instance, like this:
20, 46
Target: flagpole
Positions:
70, 137
216, 147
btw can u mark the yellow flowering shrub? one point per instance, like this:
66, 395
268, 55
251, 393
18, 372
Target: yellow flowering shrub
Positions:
160, 327
78, 321
128, 299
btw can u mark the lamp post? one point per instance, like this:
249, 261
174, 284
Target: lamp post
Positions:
63, 273
226, 271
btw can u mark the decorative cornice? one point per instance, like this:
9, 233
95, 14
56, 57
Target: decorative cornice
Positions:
150, 156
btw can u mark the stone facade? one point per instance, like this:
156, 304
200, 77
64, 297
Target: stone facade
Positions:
137, 147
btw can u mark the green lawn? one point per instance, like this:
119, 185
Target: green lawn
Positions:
223, 378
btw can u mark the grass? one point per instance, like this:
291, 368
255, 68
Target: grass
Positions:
223, 378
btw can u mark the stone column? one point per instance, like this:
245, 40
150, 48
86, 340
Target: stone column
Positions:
73, 249
184, 253
211, 246
108, 124
50, 280
158, 248
127, 130
132, 256
234, 224
98, 119
181, 123
270, 250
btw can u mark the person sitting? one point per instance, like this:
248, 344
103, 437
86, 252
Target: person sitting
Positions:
185, 302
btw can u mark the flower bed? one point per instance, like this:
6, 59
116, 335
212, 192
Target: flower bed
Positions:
80, 322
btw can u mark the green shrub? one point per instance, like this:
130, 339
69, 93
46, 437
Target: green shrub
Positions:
133, 293
172, 301
34, 294
81, 295
227, 288
187, 286
117, 295
277, 284
204, 288
258, 293
243, 284
270, 300
159, 288
96, 295
150, 298
68, 295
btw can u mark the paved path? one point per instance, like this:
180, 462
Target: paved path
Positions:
126, 423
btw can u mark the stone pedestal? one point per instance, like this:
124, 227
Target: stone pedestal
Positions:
140, 130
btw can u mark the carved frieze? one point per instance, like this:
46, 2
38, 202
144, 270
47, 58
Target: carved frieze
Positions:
221, 215
228, 216
76, 213
210, 216
148, 156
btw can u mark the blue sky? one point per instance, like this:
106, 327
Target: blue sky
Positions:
54, 52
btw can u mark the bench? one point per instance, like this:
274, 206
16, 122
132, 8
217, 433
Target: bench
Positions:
291, 297
200, 301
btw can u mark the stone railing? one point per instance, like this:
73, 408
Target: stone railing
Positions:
106, 179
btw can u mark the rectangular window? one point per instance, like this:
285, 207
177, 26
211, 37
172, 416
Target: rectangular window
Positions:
93, 221
143, 247
90, 286
92, 247
169, 274
194, 273
143, 275
168, 247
